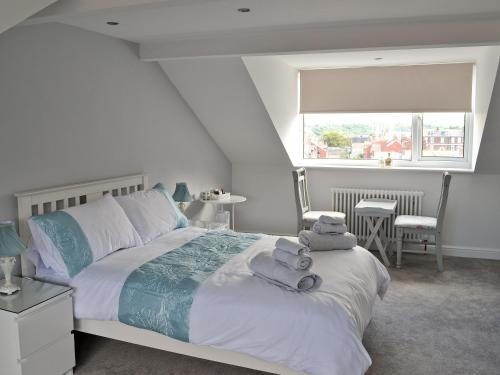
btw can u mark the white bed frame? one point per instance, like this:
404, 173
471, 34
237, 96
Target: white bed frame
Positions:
38, 202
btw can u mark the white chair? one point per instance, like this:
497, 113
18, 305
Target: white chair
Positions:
423, 225
306, 217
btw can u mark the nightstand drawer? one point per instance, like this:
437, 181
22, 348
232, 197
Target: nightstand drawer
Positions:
45, 325
54, 359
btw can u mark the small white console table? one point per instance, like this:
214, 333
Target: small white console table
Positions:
232, 200
375, 211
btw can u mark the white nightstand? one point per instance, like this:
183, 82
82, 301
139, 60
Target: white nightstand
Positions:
35, 330
212, 225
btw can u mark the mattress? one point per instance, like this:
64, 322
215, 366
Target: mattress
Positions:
318, 332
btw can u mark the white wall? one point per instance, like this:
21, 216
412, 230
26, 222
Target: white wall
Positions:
472, 217
76, 106
473, 214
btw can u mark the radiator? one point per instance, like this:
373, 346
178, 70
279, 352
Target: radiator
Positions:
345, 199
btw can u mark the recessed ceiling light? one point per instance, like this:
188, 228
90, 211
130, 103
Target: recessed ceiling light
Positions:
378, 58
113, 23
243, 10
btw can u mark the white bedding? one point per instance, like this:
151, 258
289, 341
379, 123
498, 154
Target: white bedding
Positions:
319, 332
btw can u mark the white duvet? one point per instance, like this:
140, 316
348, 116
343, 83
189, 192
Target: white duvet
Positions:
319, 332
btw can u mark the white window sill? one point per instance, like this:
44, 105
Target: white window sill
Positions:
417, 168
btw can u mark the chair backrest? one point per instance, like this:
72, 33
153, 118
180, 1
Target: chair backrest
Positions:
301, 193
445, 187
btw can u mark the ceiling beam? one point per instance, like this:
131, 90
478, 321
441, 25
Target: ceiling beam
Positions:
376, 35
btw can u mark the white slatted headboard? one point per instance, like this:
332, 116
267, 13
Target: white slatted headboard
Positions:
39, 202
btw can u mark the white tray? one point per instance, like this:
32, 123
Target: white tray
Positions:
221, 197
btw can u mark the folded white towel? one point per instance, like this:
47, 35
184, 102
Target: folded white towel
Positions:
263, 265
334, 218
318, 242
321, 228
291, 247
297, 262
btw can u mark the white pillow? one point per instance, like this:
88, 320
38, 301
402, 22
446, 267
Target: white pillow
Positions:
70, 240
151, 213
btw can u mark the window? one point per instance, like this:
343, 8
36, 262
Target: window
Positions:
358, 136
418, 115
449, 129
408, 138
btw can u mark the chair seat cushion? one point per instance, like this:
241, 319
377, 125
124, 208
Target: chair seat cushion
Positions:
415, 222
313, 216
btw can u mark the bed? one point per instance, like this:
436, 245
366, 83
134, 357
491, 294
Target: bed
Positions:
235, 318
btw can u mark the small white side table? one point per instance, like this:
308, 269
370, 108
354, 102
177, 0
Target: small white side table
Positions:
233, 200
375, 211
35, 329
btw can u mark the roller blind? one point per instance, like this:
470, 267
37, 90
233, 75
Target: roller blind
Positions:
415, 88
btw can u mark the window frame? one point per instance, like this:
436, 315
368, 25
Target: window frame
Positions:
418, 161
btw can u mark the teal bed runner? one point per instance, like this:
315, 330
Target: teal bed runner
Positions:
158, 295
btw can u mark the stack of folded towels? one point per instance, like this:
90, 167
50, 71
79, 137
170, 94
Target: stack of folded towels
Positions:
287, 266
328, 233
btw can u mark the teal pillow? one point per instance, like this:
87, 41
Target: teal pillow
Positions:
182, 220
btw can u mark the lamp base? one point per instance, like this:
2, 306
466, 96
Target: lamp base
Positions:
7, 287
182, 207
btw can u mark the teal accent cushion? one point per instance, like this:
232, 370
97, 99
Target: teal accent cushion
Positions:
182, 220
68, 238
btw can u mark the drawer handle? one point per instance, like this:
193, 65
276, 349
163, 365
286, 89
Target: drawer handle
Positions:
48, 305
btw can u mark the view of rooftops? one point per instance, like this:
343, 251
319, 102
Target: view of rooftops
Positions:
375, 136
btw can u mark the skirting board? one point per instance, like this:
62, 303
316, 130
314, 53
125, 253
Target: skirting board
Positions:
122, 332
458, 251
448, 250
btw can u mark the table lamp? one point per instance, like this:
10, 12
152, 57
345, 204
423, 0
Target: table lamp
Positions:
182, 195
10, 247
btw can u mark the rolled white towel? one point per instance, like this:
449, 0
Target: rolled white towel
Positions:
334, 219
321, 228
291, 247
297, 262
264, 266
319, 242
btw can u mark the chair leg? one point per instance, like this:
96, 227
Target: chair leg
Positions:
439, 253
399, 246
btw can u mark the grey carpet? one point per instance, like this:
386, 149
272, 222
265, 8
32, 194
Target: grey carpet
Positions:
429, 323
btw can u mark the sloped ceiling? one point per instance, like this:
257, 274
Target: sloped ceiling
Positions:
222, 95
13, 12
488, 160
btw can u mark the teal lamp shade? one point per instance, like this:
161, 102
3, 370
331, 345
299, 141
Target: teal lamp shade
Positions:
181, 193
10, 243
